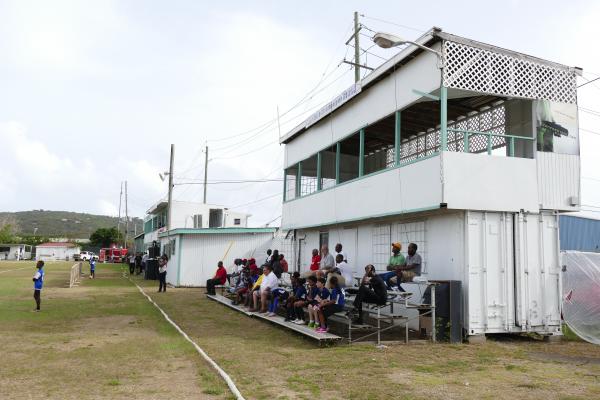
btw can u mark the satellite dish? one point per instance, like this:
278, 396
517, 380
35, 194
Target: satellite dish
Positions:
581, 294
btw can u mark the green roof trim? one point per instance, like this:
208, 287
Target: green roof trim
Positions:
203, 231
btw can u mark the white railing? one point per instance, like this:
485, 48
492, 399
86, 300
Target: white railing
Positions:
75, 274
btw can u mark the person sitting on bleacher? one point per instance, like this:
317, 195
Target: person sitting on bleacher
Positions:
396, 260
333, 304
219, 279
299, 305
281, 294
255, 280
244, 283
410, 268
267, 285
342, 271
298, 293
315, 304
372, 290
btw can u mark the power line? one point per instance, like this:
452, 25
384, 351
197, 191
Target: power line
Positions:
257, 201
589, 131
229, 182
393, 23
588, 81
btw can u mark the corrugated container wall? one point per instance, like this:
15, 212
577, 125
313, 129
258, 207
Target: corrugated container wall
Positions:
200, 253
580, 234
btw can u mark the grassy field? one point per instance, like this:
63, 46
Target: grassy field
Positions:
267, 362
103, 339
99, 340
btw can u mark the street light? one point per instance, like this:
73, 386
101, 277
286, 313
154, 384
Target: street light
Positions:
387, 40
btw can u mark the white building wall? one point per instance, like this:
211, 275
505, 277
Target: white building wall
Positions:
200, 253
558, 180
477, 249
56, 253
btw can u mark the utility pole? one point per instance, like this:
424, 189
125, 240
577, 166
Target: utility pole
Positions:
120, 198
356, 48
205, 171
126, 217
170, 188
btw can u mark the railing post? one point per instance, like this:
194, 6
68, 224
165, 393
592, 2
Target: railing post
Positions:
361, 153
397, 140
299, 180
511, 147
284, 184
443, 118
489, 143
337, 162
319, 176
466, 142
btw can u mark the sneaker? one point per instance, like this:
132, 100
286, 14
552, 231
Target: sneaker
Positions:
311, 324
271, 314
322, 330
299, 322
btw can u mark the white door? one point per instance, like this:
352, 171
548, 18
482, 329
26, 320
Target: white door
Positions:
489, 268
537, 272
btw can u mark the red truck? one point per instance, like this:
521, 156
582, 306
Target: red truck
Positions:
112, 254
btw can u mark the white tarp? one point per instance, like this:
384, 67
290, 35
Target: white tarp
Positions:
581, 294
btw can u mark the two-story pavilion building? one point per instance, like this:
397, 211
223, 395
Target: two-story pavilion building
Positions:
471, 155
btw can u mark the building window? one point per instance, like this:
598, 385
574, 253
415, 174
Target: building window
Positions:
349, 158
308, 178
197, 221
291, 179
379, 146
328, 168
323, 240
237, 221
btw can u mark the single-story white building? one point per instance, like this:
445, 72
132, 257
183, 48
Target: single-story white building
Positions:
15, 251
56, 251
194, 253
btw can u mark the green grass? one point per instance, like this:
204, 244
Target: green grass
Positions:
101, 339
268, 362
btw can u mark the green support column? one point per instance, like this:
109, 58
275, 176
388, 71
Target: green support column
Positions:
319, 175
511, 147
397, 140
299, 180
337, 163
444, 118
361, 153
284, 183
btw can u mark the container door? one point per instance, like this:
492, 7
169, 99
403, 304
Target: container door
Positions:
537, 272
490, 264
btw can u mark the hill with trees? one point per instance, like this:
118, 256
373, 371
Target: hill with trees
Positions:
63, 224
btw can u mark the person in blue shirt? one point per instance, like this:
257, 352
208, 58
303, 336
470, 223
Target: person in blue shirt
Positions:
38, 283
311, 292
315, 304
298, 293
92, 268
333, 304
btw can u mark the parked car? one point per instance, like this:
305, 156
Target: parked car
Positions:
85, 256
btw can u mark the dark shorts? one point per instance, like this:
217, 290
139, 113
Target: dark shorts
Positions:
332, 309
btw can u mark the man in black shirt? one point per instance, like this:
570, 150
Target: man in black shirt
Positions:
372, 290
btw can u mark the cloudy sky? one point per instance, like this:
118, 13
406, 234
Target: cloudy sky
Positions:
93, 92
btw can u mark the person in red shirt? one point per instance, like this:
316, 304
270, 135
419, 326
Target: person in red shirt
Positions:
219, 279
316, 260
284, 263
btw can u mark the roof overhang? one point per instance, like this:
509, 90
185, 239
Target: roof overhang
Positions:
209, 231
157, 207
408, 53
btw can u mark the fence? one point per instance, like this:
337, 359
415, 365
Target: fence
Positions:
75, 274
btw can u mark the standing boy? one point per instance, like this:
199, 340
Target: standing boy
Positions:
38, 282
92, 268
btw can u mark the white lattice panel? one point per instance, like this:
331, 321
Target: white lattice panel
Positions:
484, 71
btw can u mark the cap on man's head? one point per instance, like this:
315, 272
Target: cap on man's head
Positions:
397, 245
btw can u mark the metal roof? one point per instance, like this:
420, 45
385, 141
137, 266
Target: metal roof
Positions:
408, 53
203, 231
577, 233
